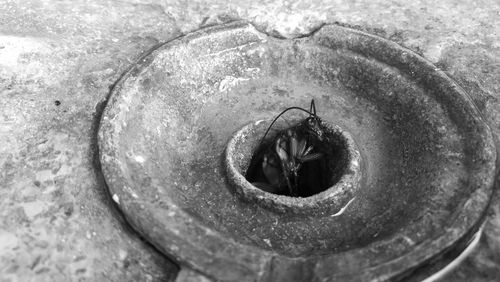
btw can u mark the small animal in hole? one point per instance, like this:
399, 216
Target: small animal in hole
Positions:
276, 166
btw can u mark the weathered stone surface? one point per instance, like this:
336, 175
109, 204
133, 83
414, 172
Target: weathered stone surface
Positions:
428, 157
73, 51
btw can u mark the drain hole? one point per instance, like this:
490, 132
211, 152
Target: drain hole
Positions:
266, 171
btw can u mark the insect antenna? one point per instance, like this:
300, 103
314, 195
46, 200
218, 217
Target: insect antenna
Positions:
277, 117
312, 108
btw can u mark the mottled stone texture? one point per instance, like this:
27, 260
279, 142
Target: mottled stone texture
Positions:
59, 58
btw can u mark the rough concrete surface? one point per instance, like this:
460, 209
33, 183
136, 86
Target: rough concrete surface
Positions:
58, 60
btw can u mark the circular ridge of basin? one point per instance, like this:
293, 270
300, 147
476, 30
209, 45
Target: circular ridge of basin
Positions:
428, 157
333, 200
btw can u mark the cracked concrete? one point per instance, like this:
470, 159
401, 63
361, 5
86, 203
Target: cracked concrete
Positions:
58, 60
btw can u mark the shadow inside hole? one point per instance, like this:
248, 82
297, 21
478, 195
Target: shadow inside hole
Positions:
314, 176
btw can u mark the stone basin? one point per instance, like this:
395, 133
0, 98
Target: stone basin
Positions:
426, 171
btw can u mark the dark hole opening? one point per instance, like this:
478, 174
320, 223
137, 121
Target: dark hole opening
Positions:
313, 177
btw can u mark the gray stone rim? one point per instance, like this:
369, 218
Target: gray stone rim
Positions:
331, 200
254, 264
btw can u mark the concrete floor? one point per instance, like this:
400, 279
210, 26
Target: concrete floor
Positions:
58, 60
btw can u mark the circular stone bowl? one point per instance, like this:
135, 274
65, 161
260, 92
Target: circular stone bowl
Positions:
428, 159
333, 200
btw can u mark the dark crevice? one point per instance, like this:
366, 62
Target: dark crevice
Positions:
313, 177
